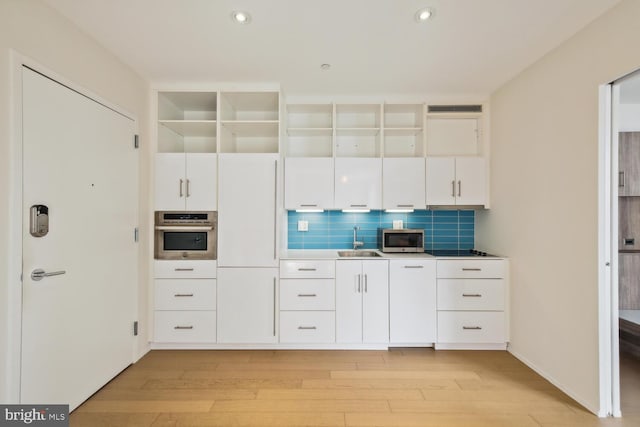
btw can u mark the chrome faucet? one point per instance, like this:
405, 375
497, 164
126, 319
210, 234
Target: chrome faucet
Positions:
356, 243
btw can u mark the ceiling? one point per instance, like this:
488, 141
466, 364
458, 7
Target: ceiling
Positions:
469, 48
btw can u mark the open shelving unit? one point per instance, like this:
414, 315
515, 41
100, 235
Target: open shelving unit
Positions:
358, 130
187, 122
310, 130
404, 130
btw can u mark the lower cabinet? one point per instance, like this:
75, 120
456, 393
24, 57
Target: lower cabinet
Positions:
472, 304
184, 302
247, 305
412, 301
362, 301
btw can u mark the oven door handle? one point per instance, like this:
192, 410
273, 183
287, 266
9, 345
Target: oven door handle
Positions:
183, 228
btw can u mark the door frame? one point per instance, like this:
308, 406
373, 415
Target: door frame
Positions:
14, 271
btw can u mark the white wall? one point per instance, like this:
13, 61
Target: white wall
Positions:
544, 216
38, 32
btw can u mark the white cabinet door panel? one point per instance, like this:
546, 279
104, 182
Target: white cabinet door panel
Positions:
471, 181
247, 210
403, 183
309, 269
307, 294
375, 302
247, 305
471, 268
348, 301
358, 183
471, 294
440, 181
412, 301
471, 327
308, 183
185, 294
185, 326
311, 327
170, 181
184, 269
200, 188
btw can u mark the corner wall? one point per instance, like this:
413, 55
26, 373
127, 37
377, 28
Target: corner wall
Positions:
34, 30
544, 186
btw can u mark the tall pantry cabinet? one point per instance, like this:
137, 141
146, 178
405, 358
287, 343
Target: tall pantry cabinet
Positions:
249, 170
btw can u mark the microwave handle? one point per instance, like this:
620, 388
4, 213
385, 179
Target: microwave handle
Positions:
182, 228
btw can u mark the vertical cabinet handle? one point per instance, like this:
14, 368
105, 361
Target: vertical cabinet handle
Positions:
274, 306
621, 179
366, 280
188, 188
275, 209
181, 184
359, 281
459, 188
453, 188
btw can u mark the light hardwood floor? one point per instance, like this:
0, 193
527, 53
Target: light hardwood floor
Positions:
403, 387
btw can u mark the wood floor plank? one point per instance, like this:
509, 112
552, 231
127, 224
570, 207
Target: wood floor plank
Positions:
146, 406
288, 366
312, 405
387, 383
221, 383
177, 394
401, 374
310, 419
438, 420
364, 356
478, 407
110, 419
258, 374
353, 394
514, 395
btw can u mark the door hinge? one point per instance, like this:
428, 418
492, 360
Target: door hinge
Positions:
135, 328
136, 141
136, 234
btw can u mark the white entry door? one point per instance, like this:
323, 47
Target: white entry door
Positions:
79, 162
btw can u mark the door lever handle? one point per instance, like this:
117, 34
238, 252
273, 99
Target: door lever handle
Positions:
39, 274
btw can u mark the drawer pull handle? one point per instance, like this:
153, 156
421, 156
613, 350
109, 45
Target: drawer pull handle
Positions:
358, 206
183, 327
306, 269
471, 269
184, 269
414, 266
474, 328
472, 295
183, 295
307, 327
308, 206
307, 295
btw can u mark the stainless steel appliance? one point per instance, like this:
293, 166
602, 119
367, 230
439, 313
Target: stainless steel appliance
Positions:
401, 240
459, 253
186, 235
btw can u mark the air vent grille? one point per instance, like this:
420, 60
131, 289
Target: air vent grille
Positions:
455, 108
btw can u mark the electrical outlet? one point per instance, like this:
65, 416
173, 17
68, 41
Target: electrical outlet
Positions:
303, 225
397, 224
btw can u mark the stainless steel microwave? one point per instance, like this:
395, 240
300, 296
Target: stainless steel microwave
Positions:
400, 240
186, 235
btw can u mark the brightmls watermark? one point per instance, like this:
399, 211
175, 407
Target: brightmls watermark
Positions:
34, 415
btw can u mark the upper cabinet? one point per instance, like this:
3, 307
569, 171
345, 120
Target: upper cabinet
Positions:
454, 130
404, 130
456, 181
358, 130
629, 164
250, 122
187, 122
358, 183
403, 183
308, 183
309, 130
186, 181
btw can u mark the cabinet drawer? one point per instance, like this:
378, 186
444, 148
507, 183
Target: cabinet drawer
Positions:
471, 269
185, 326
185, 294
471, 294
307, 294
471, 327
307, 327
188, 269
301, 269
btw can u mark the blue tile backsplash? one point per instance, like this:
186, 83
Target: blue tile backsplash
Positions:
334, 229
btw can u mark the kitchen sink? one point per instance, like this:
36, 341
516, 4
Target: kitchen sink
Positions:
358, 254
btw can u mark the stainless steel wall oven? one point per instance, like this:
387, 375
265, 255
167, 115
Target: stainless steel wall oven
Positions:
186, 235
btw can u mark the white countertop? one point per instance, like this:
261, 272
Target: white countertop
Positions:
333, 254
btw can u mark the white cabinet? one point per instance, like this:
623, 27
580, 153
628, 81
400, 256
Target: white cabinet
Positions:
247, 216
247, 305
472, 304
186, 181
308, 183
403, 183
362, 301
454, 136
184, 302
307, 301
456, 181
358, 183
412, 301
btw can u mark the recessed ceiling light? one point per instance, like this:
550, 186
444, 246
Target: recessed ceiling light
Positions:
424, 14
241, 17
325, 67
